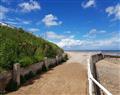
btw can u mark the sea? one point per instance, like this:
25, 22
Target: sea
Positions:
110, 52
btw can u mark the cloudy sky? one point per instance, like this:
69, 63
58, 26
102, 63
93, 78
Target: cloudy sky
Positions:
71, 24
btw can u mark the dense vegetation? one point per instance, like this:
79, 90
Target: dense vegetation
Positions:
18, 46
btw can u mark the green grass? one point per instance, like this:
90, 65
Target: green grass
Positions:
19, 46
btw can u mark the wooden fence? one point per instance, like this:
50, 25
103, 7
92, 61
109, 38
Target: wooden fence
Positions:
17, 71
94, 85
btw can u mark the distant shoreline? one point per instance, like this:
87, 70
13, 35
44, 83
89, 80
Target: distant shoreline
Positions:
109, 52
117, 51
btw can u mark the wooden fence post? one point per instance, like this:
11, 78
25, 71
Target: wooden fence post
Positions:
57, 60
46, 63
16, 73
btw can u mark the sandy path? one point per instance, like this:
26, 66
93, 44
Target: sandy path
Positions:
69, 78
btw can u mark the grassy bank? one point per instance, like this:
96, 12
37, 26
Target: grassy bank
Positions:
19, 46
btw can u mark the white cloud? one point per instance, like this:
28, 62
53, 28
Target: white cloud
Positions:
90, 3
72, 36
26, 22
11, 22
17, 21
90, 44
114, 11
22, 21
69, 42
29, 6
93, 33
107, 42
53, 35
33, 30
51, 20
3, 11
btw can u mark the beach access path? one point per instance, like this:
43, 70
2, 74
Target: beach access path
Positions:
69, 78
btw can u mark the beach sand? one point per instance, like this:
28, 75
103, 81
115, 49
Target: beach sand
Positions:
70, 78
108, 71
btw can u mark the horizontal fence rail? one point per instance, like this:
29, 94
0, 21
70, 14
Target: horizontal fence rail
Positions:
92, 80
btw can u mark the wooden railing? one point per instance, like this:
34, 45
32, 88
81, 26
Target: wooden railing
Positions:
93, 81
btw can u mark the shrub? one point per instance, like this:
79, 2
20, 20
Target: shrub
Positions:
25, 61
2, 70
39, 56
8, 54
65, 58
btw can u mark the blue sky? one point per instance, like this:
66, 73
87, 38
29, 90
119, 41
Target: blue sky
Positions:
71, 24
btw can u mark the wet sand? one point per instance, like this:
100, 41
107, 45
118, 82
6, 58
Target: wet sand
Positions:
70, 78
